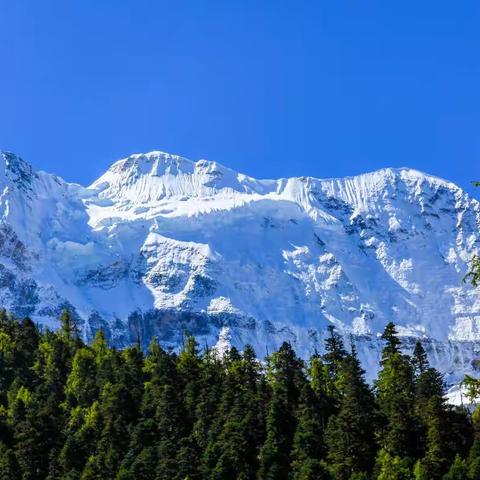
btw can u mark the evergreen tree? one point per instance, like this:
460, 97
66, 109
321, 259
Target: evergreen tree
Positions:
34, 433
286, 378
435, 462
458, 470
308, 439
419, 359
9, 469
233, 452
350, 435
7, 365
473, 460
395, 395
68, 326
392, 468
335, 352
26, 340
392, 342
75, 412
323, 388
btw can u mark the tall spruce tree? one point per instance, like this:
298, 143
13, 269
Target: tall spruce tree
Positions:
233, 452
335, 352
395, 396
307, 452
350, 435
286, 378
419, 359
323, 388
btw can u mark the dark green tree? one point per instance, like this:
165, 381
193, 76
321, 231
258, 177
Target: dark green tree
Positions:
307, 451
335, 352
350, 435
458, 470
286, 378
9, 469
232, 452
419, 359
395, 396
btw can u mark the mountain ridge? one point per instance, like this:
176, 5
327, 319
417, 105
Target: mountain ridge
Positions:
160, 243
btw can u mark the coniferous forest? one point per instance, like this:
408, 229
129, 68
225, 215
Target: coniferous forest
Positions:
74, 411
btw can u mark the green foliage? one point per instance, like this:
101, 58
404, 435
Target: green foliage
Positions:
458, 470
69, 411
419, 359
350, 435
286, 379
472, 388
395, 395
392, 468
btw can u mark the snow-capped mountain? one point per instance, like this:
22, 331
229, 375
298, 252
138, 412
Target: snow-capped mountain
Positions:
160, 244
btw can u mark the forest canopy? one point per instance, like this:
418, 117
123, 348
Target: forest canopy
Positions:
74, 411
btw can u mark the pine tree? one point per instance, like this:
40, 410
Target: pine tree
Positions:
392, 468
419, 359
458, 470
27, 339
350, 435
307, 448
34, 433
115, 409
435, 462
428, 384
323, 388
286, 378
69, 412
392, 342
473, 460
233, 452
335, 352
395, 395
9, 469
211, 384
7, 365
189, 367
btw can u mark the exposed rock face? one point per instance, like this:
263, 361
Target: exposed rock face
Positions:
159, 244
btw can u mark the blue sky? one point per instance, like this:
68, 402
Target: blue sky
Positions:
270, 88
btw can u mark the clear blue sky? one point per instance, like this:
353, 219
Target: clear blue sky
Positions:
270, 88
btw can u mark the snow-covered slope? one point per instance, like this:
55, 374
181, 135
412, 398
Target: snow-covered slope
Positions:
160, 244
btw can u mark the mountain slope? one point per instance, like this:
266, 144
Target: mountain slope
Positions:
159, 244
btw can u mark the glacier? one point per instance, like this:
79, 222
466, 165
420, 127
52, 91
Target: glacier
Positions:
160, 245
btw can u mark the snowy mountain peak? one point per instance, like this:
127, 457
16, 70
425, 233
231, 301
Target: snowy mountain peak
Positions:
159, 244
153, 163
146, 178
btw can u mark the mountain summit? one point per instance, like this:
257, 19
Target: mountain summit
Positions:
159, 244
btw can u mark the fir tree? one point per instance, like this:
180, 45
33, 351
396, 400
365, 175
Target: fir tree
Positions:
392, 468
323, 388
392, 343
308, 439
395, 395
70, 412
473, 460
286, 378
458, 470
419, 359
233, 450
9, 469
435, 461
335, 352
350, 435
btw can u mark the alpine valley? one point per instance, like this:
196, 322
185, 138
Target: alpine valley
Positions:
160, 245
